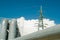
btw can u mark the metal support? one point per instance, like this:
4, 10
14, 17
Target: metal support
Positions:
40, 24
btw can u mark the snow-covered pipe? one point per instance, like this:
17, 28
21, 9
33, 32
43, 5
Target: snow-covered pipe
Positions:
12, 29
4, 30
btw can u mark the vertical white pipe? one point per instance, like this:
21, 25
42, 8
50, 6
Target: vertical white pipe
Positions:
12, 29
4, 29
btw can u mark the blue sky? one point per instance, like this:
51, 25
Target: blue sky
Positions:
30, 9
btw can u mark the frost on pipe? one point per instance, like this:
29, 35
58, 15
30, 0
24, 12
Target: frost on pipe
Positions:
12, 29
3, 30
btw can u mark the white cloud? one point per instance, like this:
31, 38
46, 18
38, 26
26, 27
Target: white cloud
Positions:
0, 27
30, 26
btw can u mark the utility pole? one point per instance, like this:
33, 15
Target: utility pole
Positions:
40, 24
